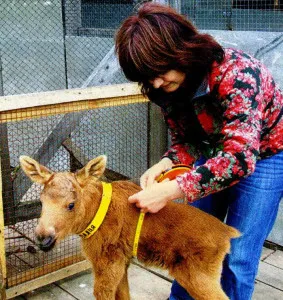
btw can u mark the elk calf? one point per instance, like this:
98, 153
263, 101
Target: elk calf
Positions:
188, 242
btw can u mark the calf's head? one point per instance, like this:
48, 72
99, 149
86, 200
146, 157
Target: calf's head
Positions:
62, 198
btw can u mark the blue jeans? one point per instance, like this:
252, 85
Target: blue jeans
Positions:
251, 206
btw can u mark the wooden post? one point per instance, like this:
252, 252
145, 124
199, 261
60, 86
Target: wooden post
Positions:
158, 136
3, 270
7, 185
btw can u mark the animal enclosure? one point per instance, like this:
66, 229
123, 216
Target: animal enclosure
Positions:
54, 56
64, 135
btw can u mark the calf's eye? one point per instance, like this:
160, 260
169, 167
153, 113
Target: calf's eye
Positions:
71, 206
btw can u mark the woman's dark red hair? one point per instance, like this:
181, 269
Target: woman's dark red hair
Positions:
157, 40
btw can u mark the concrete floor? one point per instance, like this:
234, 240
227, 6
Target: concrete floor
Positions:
154, 284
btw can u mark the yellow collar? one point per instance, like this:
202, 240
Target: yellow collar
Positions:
101, 212
137, 235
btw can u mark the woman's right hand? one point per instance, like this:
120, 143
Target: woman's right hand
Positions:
149, 176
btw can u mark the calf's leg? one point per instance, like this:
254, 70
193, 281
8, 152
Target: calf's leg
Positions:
122, 292
108, 275
201, 286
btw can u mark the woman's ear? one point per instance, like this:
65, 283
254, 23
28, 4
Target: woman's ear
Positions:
35, 171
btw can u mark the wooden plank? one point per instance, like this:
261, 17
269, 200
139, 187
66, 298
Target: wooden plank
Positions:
46, 151
275, 259
104, 71
109, 175
47, 292
158, 135
40, 111
263, 291
7, 185
28, 210
13, 102
43, 270
143, 285
3, 270
47, 278
2, 284
270, 275
265, 253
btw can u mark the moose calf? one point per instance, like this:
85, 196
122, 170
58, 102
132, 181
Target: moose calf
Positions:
188, 242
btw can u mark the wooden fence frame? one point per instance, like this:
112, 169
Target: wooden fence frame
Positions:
63, 101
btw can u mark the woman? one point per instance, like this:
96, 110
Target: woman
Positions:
224, 112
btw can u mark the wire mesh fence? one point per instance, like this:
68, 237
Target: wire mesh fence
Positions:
61, 44
62, 137
48, 45
244, 15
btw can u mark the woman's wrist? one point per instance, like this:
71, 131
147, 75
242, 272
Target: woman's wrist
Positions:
173, 190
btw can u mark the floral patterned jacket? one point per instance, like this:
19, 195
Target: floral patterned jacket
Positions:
234, 119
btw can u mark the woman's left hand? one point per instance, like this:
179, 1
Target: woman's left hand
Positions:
155, 197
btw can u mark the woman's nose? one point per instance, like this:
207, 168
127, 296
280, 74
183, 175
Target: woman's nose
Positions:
157, 82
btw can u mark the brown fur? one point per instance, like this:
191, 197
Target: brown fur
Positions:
188, 242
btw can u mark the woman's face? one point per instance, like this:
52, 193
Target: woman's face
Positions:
169, 81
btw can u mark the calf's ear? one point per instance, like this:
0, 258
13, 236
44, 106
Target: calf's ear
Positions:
35, 171
94, 168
